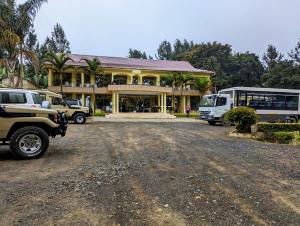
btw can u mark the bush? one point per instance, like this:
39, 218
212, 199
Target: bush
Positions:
243, 118
278, 127
279, 137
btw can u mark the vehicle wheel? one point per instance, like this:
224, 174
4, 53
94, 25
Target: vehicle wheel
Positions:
212, 123
79, 118
29, 142
292, 120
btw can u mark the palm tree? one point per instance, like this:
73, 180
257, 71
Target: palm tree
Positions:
202, 84
59, 61
172, 80
93, 67
15, 23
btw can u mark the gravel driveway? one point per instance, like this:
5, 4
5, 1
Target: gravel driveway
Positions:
156, 174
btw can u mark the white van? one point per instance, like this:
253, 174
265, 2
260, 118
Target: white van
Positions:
20, 97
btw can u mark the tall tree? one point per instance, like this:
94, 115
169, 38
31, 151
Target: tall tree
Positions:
272, 56
59, 62
135, 53
165, 51
295, 53
15, 24
58, 42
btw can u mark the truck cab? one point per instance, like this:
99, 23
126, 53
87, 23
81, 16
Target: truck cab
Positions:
213, 108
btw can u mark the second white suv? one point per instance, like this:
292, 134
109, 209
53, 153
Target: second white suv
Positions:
20, 97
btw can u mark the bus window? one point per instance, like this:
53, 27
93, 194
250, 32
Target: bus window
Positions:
292, 102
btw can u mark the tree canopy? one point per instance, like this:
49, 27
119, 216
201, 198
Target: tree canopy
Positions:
237, 68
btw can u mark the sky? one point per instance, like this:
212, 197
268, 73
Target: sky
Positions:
111, 27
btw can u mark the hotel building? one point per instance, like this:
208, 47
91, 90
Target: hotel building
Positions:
127, 85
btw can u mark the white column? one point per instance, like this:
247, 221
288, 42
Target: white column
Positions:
165, 103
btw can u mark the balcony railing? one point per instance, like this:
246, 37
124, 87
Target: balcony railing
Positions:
129, 88
140, 88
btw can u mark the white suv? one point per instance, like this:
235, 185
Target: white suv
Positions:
20, 97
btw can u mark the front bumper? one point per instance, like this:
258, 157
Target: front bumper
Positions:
208, 117
63, 125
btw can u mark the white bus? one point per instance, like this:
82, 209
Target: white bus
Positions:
270, 103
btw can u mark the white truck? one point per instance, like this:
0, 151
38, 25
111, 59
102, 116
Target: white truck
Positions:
270, 103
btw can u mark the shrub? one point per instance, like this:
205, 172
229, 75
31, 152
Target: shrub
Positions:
243, 118
279, 137
284, 137
278, 127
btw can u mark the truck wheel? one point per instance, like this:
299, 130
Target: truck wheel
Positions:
29, 142
212, 123
79, 118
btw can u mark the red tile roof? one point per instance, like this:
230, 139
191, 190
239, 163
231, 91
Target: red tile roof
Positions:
137, 64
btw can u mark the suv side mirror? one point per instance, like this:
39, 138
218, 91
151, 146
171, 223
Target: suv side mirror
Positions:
45, 104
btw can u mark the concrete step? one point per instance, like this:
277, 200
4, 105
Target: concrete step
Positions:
141, 115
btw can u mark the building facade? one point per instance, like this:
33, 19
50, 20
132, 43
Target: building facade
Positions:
127, 85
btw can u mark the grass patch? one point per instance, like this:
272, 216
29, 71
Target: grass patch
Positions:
184, 115
99, 114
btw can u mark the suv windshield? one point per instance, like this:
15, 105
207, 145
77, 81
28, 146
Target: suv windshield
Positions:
207, 101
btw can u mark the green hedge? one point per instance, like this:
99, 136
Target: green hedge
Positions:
278, 127
278, 137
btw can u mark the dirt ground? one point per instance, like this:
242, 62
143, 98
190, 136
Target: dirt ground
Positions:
156, 174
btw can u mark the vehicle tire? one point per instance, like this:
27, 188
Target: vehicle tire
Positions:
292, 120
212, 123
29, 142
79, 118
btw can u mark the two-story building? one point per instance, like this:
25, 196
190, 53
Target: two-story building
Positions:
126, 84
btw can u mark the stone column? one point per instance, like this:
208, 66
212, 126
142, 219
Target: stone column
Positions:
140, 82
158, 102
158, 81
188, 101
162, 107
182, 104
112, 78
117, 102
165, 103
113, 102
129, 80
83, 99
82, 79
50, 77
73, 79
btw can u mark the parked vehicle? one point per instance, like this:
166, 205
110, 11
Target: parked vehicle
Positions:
28, 129
76, 113
20, 97
73, 102
270, 104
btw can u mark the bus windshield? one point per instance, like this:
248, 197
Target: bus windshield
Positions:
208, 101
